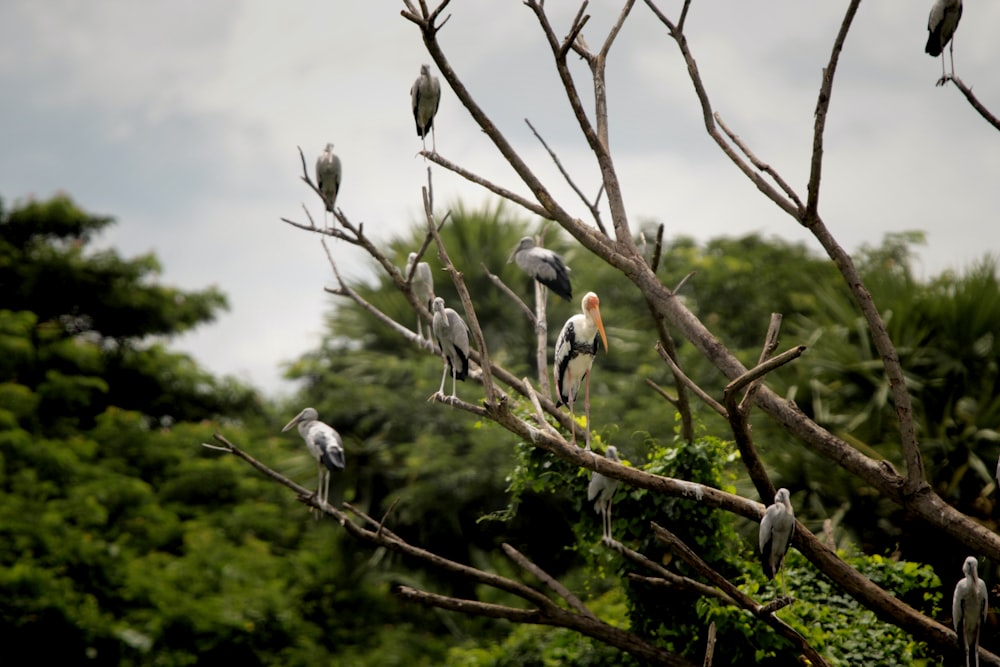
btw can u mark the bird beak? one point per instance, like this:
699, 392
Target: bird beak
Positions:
511, 258
292, 423
595, 314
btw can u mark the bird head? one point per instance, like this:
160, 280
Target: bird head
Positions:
438, 306
306, 415
592, 309
425, 70
612, 454
971, 567
526, 243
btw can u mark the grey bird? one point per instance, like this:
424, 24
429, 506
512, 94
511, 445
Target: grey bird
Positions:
968, 609
776, 530
941, 25
328, 176
452, 336
603, 490
425, 96
422, 284
324, 444
544, 266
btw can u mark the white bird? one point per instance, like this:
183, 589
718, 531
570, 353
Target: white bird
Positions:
452, 336
425, 95
328, 176
968, 609
544, 266
603, 489
776, 530
941, 26
422, 284
576, 347
324, 444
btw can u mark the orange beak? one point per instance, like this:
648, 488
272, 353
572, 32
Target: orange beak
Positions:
593, 308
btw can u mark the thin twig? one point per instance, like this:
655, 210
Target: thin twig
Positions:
557, 587
594, 211
502, 286
974, 101
680, 375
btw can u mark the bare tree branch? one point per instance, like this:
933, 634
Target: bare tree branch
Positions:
744, 601
974, 101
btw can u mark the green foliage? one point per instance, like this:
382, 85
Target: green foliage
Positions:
845, 632
541, 646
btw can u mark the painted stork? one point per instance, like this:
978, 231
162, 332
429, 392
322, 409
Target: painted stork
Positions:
422, 284
603, 489
968, 609
452, 336
425, 95
941, 26
323, 443
328, 176
544, 266
576, 347
776, 529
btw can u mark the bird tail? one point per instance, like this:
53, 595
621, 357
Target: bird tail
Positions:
462, 371
933, 43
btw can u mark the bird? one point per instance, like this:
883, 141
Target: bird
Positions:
603, 489
452, 336
422, 284
425, 95
968, 609
323, 443
941, 26
576, 347
328, 176
544, 266
776, 529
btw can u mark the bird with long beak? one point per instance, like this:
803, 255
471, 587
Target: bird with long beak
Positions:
576, 348
324, 444
968, 609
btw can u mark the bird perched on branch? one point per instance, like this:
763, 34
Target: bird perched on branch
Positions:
941, 25
603, 489
544, 266
422, 284
328, 176
452, 336
576, 348
324, 444
425, 96
968, 609
776, 529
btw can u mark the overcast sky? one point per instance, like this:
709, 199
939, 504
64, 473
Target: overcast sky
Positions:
181, 120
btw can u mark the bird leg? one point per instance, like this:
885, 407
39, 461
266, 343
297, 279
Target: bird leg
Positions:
572, 418
444, 375
586, 408
454, 396
434, 141
951, 54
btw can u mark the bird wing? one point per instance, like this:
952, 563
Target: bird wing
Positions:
957, 606
561, 357
329, 445
984, 599
549, 269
